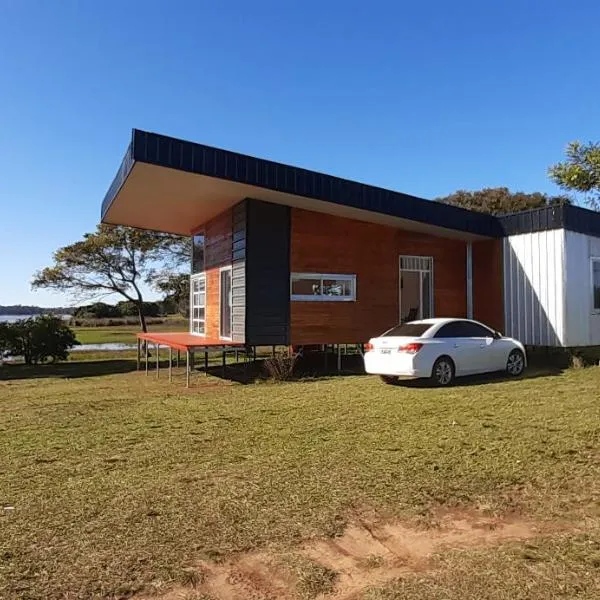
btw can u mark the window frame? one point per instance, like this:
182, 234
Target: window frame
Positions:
193, 277
351, 277
593, 261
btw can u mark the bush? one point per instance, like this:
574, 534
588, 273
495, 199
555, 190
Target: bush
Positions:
281, 367
38, 339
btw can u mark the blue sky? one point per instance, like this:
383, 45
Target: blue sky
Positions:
421, 97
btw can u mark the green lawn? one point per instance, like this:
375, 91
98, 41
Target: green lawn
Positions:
123, 334
121, 483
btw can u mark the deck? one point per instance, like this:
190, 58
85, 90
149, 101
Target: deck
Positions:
187, 341
190, 344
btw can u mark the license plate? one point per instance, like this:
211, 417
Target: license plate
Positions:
385, 350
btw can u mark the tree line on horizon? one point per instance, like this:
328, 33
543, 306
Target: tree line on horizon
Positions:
117, 259
26, 309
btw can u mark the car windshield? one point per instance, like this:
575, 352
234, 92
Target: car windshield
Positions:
408, 330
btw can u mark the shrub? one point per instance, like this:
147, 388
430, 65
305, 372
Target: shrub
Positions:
38, 339
4, 337
281, 367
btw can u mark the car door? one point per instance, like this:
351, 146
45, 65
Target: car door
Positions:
465, 351
483, 346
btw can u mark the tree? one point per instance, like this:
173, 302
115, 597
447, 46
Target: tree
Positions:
38, 339
176, 288
114, 260
499, 201
129, 309
580, 172
97, 310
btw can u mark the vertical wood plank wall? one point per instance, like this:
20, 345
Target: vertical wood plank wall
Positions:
218, 241
488, 304
329, 244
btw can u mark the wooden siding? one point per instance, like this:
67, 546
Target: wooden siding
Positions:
488, 283
218, 240
328, 244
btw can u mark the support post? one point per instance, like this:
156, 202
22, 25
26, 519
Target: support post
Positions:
224, 361
187, 368
206, 364
469, 280
139, 353
273, 351
147, 357
170, 364
178, 359
157, 348
339, 358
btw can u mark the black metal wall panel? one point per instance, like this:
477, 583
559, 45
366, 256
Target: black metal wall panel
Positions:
238, 274
267, 273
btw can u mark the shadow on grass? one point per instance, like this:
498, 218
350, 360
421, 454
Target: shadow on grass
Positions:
496, 377
68, 370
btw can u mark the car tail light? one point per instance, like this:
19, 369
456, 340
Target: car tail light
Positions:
412, 348
369, 347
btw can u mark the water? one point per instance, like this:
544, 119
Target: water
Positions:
109, 347
15, 318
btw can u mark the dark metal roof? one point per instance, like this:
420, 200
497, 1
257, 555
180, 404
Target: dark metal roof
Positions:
172, 153
562, 216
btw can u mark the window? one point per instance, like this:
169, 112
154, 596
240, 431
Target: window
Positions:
198, 253
323, 287
463, 329
408, 330
198, 304
225, 302
596, 284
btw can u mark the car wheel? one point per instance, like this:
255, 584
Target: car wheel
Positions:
389, 379
443, 371
515, 365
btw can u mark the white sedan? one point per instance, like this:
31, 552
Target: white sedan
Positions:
442, 349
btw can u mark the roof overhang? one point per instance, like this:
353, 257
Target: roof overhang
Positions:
170, 185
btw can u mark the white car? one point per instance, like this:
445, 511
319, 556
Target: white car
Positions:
442, 349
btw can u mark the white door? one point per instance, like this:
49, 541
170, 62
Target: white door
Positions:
416, 288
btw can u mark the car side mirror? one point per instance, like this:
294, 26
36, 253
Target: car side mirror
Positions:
497, 335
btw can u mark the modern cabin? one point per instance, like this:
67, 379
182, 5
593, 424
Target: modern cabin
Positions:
284, 255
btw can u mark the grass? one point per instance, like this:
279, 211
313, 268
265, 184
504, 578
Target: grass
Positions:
123, 334
120, 482
312, 578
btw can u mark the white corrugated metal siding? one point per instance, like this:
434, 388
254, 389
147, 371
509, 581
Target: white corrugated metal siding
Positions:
582, 325
534, 270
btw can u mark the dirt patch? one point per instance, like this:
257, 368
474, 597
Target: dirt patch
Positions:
367, 554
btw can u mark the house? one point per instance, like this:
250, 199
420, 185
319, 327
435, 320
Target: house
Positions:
283, 255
